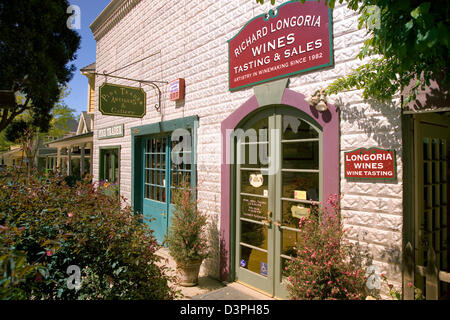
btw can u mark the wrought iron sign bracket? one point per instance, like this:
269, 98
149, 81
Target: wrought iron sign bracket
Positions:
152, 83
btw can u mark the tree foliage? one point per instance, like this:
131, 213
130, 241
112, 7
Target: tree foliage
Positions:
408, 43
35, 48
23, 130
5, 144
60, 118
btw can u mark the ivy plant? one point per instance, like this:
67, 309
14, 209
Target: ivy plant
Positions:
407, 47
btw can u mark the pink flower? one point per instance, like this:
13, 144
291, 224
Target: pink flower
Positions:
70, 214
330, 282
410, 284
48, 253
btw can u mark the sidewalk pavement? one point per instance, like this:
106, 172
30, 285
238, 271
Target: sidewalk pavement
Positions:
209, 288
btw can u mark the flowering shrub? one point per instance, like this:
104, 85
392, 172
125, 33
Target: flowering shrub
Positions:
48, 226
323, 268
396, 295
186, 238
16, 271
109, 188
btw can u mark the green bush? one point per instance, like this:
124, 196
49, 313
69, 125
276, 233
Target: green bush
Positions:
54, 226
186, 239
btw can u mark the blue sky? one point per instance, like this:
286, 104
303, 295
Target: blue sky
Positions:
90, 9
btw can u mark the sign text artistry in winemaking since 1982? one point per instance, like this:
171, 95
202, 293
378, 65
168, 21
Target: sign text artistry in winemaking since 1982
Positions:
294, 38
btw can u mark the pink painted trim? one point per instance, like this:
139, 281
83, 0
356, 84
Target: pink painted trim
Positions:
328, 120
229, 123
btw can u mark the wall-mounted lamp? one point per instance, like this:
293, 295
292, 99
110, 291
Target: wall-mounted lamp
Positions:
319, 100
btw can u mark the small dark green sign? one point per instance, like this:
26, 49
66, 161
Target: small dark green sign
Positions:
122, 101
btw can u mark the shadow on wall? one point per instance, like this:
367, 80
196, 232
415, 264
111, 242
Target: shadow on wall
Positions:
211, 264
393, 255
377, 126
390, 255
437, 95
224, 254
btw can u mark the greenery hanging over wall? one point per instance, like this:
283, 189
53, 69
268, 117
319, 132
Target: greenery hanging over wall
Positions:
407, 38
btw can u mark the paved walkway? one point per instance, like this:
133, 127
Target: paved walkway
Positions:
233, 291
212, 289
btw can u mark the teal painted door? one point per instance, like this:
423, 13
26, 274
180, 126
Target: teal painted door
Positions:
163, 173
156, 165
278, 176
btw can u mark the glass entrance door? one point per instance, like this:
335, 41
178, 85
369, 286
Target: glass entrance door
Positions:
278, 177
156, 164
166, 168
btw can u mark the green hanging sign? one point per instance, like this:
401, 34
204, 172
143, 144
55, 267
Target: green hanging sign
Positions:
122, 101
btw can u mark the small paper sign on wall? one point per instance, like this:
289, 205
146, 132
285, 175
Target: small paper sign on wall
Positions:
299, 195
176, 89
299, 211
110, 132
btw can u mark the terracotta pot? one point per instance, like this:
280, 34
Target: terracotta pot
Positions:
189, 273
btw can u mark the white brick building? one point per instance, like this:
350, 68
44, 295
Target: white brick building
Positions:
167, 40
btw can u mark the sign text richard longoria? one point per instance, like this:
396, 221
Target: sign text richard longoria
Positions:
294, 38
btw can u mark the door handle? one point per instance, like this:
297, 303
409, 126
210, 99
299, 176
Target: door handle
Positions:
163, 214
268, 221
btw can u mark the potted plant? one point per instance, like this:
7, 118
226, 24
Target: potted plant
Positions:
186, 238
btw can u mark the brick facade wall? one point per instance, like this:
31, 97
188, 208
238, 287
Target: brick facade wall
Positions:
188, 39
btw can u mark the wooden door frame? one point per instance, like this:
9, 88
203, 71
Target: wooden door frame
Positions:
274, 113
138, 135
328, 120
101, 152
410, 122
266, 112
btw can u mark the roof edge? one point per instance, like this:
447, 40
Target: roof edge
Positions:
89, 67
109, 17
77, 136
